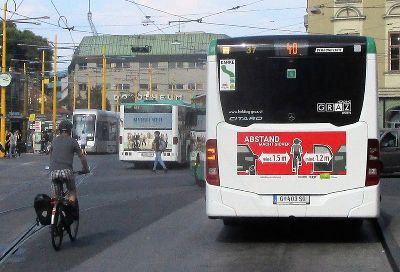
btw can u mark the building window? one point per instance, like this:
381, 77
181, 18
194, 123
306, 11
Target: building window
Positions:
179, 86
199, 86
146, 65
82, 66
191, 65
191, 86
171, 65
121, 65
143, 65
394, 51
143, 86
179, 64
123, 87
82, 87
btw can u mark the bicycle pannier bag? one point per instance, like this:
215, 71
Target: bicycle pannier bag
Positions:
42, 205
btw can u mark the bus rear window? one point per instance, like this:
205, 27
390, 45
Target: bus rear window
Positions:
279, 89
84, 124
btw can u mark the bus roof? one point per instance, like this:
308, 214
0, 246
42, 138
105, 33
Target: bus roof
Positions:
157, 102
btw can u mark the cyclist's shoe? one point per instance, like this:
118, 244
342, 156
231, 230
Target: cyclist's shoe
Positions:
73, 209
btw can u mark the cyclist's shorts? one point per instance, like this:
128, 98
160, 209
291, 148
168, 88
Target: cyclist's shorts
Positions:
66, 176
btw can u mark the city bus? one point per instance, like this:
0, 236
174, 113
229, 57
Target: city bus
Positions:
138, 122
100, 128
291, 128
198, 141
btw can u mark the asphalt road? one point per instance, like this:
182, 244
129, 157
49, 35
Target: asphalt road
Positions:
134, 220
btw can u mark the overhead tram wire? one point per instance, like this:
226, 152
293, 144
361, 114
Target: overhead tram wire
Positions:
64, 20
146, 16
231, 9
17, 8
51, 24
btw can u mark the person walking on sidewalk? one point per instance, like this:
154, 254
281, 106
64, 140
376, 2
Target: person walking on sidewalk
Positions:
158, 146
7, 144
18, 145
13, 144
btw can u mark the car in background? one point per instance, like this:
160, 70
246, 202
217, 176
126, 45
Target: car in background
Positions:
389, 150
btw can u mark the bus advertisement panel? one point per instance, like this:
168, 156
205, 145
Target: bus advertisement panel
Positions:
287, 153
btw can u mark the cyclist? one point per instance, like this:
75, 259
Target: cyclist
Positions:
62, 152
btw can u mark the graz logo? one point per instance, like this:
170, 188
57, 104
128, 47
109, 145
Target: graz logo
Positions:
291, 116
343, 107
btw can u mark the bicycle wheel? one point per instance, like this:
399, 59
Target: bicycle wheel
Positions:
57, 230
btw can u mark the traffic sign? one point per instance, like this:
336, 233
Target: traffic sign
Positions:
5, 79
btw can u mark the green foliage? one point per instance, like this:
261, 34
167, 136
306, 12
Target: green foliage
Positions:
21, 52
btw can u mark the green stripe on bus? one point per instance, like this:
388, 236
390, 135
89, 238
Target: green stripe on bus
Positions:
371, 47
212, 48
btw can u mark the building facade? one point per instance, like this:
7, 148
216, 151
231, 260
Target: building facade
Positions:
166, 66
379, 19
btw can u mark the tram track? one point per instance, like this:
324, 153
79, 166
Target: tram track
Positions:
19, 241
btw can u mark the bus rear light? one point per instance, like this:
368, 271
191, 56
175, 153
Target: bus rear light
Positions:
212, 174
175, 140
120, 139
373, 164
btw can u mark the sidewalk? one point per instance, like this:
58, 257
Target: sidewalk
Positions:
389, 220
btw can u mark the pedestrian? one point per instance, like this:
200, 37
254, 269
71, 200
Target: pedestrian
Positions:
83, 142
158, 146
7, 144
18, 146
33, 139
13, 143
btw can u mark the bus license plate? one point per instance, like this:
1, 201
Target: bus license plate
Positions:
147, 154
291, 199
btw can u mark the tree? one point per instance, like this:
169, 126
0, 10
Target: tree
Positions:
95, 103
23, 52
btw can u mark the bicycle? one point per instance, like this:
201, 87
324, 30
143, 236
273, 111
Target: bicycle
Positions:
63, 218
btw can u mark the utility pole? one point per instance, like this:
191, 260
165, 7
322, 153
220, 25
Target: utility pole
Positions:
136, 87
150, 81
3, 89
89, 90
42, 95
25, 109
104, 85
74, 93
55, 87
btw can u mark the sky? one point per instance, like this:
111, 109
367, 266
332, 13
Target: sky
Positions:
69, 18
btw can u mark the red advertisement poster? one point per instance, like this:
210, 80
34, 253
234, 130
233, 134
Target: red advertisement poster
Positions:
291, 153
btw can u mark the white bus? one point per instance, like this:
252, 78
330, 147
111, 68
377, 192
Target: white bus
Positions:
291, 128
139, 121
100, 128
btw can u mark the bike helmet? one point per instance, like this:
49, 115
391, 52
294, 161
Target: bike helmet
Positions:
65, 125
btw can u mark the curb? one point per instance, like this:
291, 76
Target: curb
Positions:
392, 249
